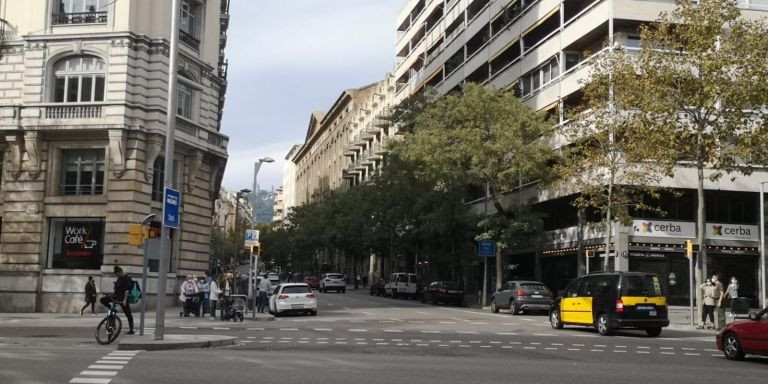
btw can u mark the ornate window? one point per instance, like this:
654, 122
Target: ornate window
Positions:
189, 23
82, 172
80, 11
79, 79
185, 100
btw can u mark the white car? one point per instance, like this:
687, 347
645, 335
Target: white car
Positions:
333, 282
293, 298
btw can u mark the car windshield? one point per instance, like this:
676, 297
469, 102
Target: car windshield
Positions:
642, 285
533, 287
334, 277
297, 289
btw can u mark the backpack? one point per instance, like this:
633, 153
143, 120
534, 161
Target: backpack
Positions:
134, 294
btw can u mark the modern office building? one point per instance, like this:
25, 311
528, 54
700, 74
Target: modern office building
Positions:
83, 90
542, 48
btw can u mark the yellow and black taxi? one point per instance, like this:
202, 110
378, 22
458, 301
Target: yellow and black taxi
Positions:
613, 300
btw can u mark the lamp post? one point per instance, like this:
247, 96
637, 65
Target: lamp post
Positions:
762, 245
238, 196
256, 168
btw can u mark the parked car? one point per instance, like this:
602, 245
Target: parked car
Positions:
402, 284
613, 300
293, 298
522, 296
312, 281
378, 287
745, 337
448, 292
334, 282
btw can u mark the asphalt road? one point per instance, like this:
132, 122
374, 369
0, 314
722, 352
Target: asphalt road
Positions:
357, 338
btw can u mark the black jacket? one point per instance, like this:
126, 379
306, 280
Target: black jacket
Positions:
122, 284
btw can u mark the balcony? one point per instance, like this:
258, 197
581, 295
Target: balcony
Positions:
79, 18
63, 112
189, 40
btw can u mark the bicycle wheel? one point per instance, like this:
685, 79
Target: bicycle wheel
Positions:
108, 329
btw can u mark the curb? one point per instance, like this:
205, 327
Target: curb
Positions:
148, 343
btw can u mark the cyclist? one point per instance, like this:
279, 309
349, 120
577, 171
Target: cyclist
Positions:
123, 284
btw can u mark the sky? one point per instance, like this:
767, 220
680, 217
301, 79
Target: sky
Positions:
288, 58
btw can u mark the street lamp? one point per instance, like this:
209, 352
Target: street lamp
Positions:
256, 168
238, 196
762, 244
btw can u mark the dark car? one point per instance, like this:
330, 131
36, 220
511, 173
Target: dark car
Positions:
613, 300
312, 281
522, 296
449, 292
745, 337
378, 288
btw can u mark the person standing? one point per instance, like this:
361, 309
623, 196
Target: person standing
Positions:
719, 301
365, 281
90, 296
205, 288
123, 285
188, 292
708, 289
732, 293
213, 297
264, 286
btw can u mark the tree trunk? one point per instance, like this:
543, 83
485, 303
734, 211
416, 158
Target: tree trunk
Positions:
582, 256
701, 256
499, 268
608, 223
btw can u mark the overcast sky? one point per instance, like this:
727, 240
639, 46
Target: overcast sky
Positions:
288, 58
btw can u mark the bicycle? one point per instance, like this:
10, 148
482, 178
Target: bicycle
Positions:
109, 328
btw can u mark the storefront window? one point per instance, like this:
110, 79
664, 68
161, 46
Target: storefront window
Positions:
76, 243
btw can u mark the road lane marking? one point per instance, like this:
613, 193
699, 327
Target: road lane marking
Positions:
188, 327
286, 338
619, 351
430, 331
544, 334
692, 354
645, 352
643, 347
551, 349
255, 329
123, 362
666, 348
89, 380
478, 323
422, 313
667, 353
289, 329
447, 322
102, 366
323, 329
367, 313
574, 349
222, 328
467, 332
596, 350
117, 357
506, 333
393, 330
98, 373
357, 330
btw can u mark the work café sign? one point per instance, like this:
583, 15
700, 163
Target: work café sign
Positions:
81, 239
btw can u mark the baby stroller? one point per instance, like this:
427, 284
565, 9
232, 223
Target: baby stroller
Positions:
192, 305
232, 307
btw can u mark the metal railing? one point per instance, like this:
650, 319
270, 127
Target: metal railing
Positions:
186, 38
79, 18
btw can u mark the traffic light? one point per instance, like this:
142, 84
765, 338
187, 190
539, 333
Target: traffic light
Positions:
590, 253
690, 248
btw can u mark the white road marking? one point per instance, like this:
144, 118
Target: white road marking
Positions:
467, 332
666, 348
619, 351
222, 328
464, 346
478, 323
643, 347
574, 349
347, 308
188, 327
85, 380
558, 344
286, 338
98, 373
544, 334
507, 346
367, 313
596, 350
447, 322
646, 352
117, 357
289, 329
255, 329
357, 330
430, 331
692, 354
599, 345
507, 333
123, 362
422, 313
323, 329
393, 330
551, 349
102, 366
667, 353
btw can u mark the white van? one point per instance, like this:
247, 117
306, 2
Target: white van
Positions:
401, 284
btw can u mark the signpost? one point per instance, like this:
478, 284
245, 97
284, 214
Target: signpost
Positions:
171, 199
251, 240
486, 249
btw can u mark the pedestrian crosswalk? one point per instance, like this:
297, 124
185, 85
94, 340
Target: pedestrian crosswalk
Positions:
105, 369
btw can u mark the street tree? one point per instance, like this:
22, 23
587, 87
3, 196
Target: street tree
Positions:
607, 161
701, 79
483, 136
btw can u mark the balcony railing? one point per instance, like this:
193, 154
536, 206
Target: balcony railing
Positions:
73, 112
79, 18
186, 38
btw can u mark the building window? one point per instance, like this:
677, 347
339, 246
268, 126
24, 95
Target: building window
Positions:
78, 79
158, 178
190, 17
80, 11
82, 172
76, 243
185, 95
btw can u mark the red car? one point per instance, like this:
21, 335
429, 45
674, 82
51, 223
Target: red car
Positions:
745, 337
312, 281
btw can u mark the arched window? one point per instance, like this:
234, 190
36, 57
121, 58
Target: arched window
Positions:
79, 79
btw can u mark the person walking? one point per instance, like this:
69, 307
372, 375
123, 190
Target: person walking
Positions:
264, 285
365, 281
719, 301
123, 285
90, 296
708, 289
731, 294
188, 292
213, 297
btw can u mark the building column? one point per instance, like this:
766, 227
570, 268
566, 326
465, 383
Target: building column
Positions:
621, 247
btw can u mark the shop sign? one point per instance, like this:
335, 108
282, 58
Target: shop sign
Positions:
660, 228
571, 234
719, 231
81, 238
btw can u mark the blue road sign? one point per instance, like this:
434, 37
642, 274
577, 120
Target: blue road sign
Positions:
486, 248
172, 198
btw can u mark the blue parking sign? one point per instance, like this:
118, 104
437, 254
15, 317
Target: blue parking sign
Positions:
486, 248
171, 200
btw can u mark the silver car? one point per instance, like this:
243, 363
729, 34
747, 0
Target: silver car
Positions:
333, 282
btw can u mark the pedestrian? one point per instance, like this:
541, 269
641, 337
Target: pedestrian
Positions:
205, 288
709, 305
357, 281
188, 293
214, 296
227, 284
365, 281
732, 293
264, 285
719, 301
122, 285
90, 296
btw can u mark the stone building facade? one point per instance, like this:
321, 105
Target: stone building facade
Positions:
83, 92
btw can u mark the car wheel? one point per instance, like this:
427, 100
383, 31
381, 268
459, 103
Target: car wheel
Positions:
653, 332
554, 319
313, 313
603, 327
494, 308
343, 291
732, 347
